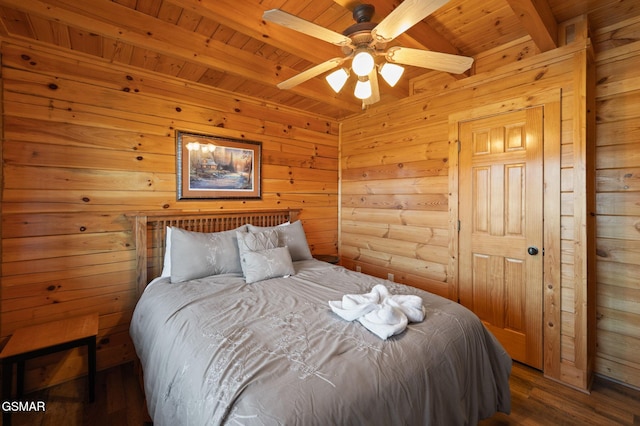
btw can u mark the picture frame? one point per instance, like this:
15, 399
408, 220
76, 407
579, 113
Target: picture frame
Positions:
213, 167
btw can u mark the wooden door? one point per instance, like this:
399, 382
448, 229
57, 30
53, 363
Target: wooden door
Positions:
500, 238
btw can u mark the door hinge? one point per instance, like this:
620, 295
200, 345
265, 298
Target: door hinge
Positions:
459, 147
458, 225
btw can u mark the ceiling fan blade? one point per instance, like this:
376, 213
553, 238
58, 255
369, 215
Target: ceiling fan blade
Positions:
403, 17
287, 20
454, 64
310, 73
375, 89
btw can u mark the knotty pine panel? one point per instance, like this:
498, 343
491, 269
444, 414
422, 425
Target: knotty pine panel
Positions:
617, 166
400, 185
393, 246
26, 225
621, 155
24, 288
425, 152
428, 202
61, 292
616, 303
88, 142
395, 216
46, 131
147, 85
623, 106
618, 251
505, 54
418, 234
618, 203
627, 179
614, 132
419, 169
50, 246
609, 273
366, 140
53, 268
548, 69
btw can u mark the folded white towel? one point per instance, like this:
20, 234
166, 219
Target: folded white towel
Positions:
410, 305
385, 321
380, 312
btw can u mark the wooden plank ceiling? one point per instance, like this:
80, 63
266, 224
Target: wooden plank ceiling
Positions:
226, 43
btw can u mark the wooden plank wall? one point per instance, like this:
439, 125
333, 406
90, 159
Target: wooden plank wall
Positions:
618, 201
394, 208
86, 142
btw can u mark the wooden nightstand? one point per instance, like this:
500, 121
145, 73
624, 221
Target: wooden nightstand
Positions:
329, 258
44, 339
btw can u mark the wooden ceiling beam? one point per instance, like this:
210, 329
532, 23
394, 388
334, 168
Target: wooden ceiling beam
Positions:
4, 32
247, 19
146, 32
537, 18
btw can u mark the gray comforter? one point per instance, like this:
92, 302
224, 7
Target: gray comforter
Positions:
219, 351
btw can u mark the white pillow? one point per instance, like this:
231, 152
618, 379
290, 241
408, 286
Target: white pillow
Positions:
166, 267
292, 236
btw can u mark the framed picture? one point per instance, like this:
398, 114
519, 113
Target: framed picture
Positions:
216, 167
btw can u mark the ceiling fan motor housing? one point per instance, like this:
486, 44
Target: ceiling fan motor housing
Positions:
360, 32
363, 13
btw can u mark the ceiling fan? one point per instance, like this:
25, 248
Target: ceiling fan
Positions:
365, 42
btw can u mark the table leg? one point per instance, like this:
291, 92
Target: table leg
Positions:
92, 368
20, 379
7, 373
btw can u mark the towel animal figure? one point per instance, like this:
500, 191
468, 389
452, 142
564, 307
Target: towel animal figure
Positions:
379, 311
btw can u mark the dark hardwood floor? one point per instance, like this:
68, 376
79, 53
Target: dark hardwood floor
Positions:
535, 401
119, 401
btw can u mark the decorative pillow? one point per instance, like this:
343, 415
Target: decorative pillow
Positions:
255, 241
264, 264
292, 236
198, 254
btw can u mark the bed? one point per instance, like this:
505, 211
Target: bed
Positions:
263, 345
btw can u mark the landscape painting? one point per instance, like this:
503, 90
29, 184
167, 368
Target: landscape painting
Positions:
216, 167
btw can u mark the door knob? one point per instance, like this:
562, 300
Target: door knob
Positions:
532, 250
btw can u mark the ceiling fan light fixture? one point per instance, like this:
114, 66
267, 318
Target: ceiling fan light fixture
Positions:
337, 79
363, 89
391, 73
362, 63
365, 41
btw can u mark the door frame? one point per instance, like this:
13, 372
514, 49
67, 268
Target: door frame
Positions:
550, 102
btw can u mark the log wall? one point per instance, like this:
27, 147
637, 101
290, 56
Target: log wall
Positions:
396, 162
84, 143
618, 201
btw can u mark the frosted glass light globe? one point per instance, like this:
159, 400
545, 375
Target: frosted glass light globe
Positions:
391, 73
337, 79
362, 63
363, 89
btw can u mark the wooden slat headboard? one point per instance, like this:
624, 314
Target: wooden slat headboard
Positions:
150, 232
